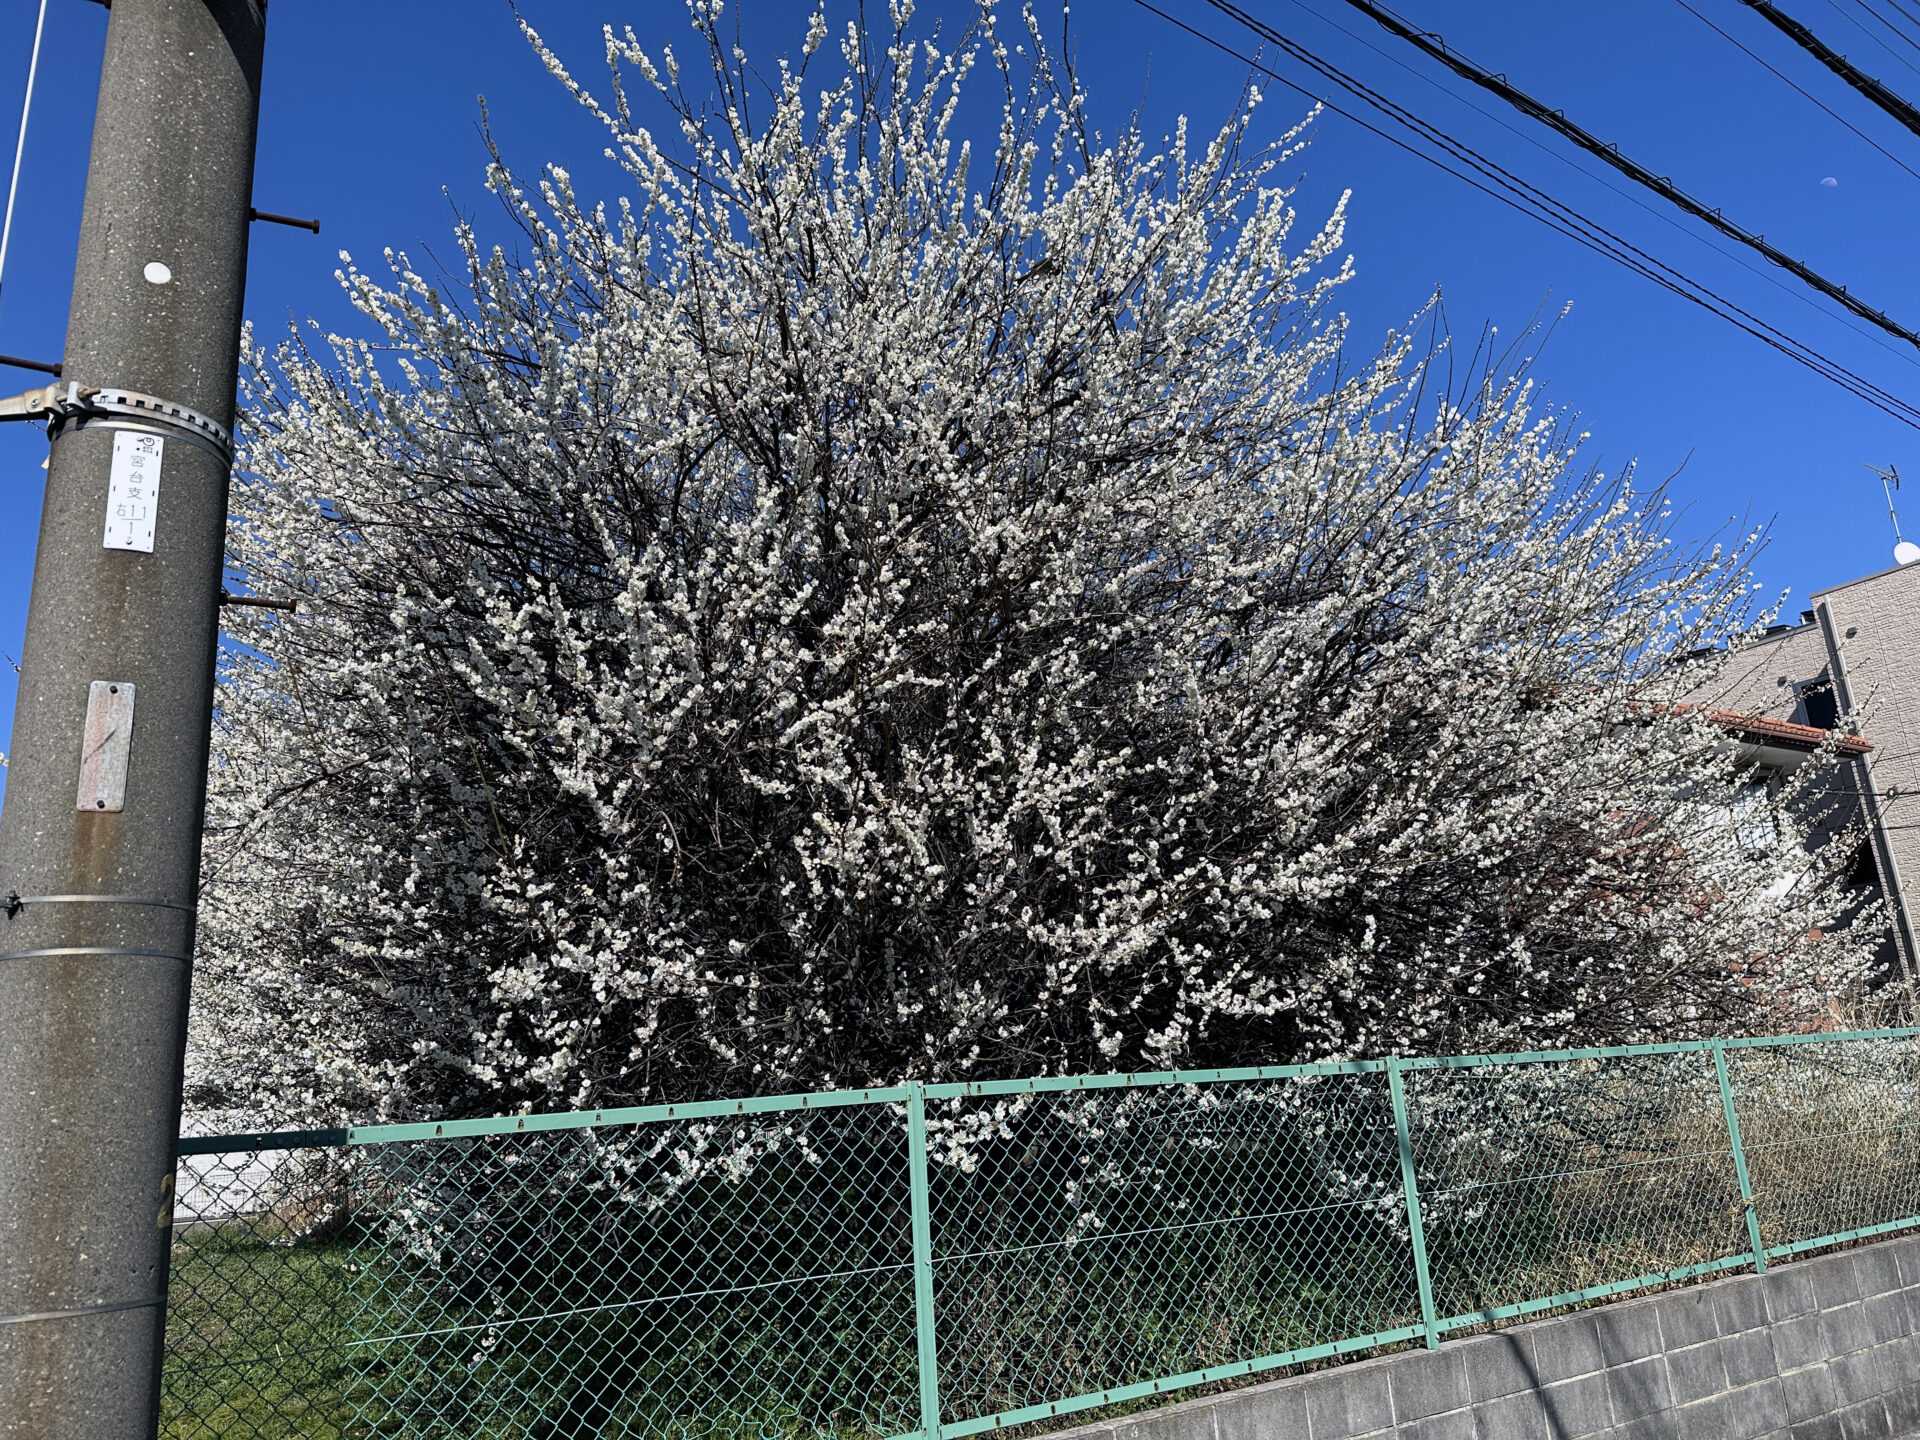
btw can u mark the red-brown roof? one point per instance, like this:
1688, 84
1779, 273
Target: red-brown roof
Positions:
1765, 729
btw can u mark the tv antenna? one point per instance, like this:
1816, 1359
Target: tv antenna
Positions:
1905, 552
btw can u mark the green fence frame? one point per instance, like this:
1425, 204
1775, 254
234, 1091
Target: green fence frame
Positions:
912, 1098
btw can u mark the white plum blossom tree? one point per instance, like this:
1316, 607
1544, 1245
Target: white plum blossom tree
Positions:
856, 609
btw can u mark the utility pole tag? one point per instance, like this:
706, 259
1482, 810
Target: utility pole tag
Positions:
104, 750
133, 491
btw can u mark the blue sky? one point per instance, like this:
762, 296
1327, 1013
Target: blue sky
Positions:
369, 121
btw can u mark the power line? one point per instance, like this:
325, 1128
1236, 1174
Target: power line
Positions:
1556, 120
1532, 201
20, 144
1894, 28
1797, 89
1872, 38
1662, 215
1915, 19
1879, 94
1529, 200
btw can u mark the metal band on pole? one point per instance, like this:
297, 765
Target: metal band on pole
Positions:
81, 409
73, 407
52, 952
21, 901
107, 1309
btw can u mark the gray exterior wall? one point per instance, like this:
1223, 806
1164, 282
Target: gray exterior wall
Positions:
1824, 1349
1859, 648
1766, 679
1789, 676
1871, 630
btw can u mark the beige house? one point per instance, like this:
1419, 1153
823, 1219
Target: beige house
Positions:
1853, 662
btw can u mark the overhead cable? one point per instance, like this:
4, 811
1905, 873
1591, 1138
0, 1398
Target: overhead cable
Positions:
1519, 195
20, 145
1904, 11
1798, 89
1874, 39
1663, 215
1899, 108
1556, 120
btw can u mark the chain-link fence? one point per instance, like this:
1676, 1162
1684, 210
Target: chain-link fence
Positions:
955, 1259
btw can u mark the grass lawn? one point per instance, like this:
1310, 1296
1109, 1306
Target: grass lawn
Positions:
254, 1329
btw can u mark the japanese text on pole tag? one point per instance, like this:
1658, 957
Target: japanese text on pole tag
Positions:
133, 491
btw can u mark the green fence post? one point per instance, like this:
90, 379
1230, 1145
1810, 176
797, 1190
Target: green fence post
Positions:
1397, 1091
929, 1352
1739, 1157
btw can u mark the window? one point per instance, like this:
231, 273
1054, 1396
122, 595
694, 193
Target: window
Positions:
1819, 705
1751, 819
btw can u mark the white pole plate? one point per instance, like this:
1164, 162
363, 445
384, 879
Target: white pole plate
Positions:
133, 491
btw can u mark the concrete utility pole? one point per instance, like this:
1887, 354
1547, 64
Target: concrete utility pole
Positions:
100, 833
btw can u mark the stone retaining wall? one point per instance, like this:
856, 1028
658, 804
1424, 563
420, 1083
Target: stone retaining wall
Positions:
1821, 1349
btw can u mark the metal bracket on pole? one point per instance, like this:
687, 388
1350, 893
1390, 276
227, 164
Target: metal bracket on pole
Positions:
41, 404
71, 405
130, 410
227, 597
294, 220
1416, 1230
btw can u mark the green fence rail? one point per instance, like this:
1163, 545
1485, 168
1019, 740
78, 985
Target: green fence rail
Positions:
949, 1260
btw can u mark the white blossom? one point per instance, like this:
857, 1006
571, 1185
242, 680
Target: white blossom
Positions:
853, 609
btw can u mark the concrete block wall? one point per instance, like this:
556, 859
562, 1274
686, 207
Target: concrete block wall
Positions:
1821, 1349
